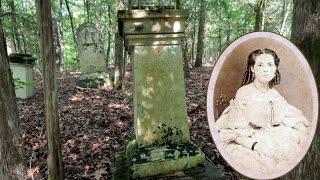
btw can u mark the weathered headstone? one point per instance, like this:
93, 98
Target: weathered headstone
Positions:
162, 143
92, 58
22, 73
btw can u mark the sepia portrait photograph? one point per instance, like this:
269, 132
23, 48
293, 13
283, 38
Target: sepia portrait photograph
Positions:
262, 105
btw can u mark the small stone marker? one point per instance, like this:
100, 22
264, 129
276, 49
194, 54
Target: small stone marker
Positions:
22, 73
162, 143
92, 59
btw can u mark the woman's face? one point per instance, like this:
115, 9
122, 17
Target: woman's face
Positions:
264, 68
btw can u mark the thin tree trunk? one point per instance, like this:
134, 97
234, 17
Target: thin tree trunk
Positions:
71, 22
119, 55
109, 36
244, 30
178, 4
25, 50
54, 156
11, 164
285, 13
263, 14
194, 31
57, 43
60, 30
305, 34
14, 28
87, 8
118, 50
259, 15
131, 56
200, 45
186, 67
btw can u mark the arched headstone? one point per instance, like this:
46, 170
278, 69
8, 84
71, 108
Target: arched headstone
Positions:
92, 57
91, 51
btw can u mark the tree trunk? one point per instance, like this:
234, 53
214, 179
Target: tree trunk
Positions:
200, 45
131, 56
86, 4
60, 30
14, 28
11, 165
194, 31
263, 14
118, 64
71, 22
186, 68
57, 43
54, 156
259, 15
24, 50
109, 36
305, 34
285, 13
119, 55
178, 4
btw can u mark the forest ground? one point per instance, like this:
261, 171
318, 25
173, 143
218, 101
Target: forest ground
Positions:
95, 124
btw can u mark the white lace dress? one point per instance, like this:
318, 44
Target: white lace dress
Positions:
278, 130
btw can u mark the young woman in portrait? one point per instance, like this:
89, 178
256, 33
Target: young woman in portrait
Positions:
260, 129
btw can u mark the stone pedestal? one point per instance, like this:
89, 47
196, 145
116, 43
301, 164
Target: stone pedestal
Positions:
162, 143
22, 73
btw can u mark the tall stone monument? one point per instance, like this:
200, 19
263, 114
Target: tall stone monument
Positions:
162, 144
92, 58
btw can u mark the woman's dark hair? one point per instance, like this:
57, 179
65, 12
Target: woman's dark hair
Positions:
248, 76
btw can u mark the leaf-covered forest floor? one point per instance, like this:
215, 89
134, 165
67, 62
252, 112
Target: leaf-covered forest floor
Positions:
95, 124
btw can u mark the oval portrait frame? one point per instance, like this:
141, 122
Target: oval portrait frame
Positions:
300, 91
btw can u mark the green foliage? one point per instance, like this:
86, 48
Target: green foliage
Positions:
18, 84
226, 20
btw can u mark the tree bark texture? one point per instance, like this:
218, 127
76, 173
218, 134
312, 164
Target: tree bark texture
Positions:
285, 13
61, 42
200, 44
119, 62
109, 36
193, 36
14, 29
57, 43
186, 67
71, 23
54, 156
259, 15
306, 36
11, 165
119, 55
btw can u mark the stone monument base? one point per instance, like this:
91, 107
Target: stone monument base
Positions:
157, 160
195, 166
94, 80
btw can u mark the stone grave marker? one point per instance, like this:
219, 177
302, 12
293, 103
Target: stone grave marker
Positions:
92, 58
162, 144
22, 73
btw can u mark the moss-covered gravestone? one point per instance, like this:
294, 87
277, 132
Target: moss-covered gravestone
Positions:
92, 58
162, 143
22, 72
